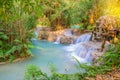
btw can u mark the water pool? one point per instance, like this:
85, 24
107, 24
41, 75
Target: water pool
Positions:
49, 53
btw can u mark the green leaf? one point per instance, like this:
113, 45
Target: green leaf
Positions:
1, 33
12, 58
29, 52
1, 53
12, 50
1, 42
17, 41
30, 46
5, 37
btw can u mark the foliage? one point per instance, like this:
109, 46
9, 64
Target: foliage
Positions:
112, 56
18, 18
92, 70
111, 8
67, 13
34, 73
90, 27
89, 71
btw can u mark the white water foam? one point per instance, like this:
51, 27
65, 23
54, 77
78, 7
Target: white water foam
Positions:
80, 50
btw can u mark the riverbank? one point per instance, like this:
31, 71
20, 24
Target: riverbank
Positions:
14, 61
114, 74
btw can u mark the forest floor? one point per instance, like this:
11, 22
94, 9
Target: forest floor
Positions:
112, 75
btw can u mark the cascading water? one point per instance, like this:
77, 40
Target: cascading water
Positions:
37, 31
57, 40
80, 50
83, 38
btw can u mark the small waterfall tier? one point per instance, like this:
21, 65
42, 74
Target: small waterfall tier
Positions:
57, 40
81, 50
83, 38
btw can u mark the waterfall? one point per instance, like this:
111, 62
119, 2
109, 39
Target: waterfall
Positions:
81, 50
37, 31
83, 38
57, 40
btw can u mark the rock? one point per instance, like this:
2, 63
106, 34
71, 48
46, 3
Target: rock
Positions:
96, 54
48, 29
66, 40
76, 32
43, 35
52, 37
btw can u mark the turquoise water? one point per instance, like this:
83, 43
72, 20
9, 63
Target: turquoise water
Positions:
49, 53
